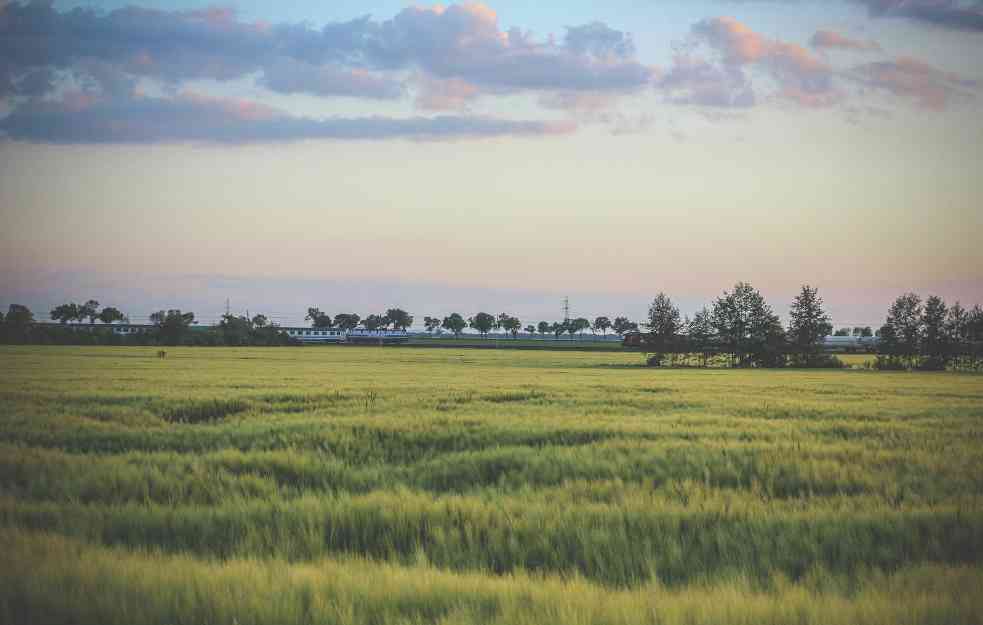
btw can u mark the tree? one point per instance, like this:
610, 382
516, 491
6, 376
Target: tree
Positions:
866, 332
65, 313
664, 321
578, 325
904, 319
236, 329
260, 321
808, 326
89, 310
622, 326
842, 332
933, 343
111, 315
602, 325
748, 328
558, 328
431, 323
399, 318
701, 334
512, 325
318, 319
454, 323
530, 329
172, 325
482, 322
375, 322
347, 321
543, 327
18, 315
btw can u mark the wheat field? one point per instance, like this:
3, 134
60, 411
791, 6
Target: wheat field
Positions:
406, 485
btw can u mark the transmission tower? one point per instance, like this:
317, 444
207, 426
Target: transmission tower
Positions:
566, 309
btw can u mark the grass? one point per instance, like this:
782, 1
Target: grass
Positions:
379, 485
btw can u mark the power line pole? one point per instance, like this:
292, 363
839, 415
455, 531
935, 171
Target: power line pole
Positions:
226, 306
566, 310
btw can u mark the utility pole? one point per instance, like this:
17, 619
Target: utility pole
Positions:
566, 310
226, 306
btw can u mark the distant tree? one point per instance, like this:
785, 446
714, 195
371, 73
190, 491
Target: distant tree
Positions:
260, 321
622, 326
974, 324
347, 321
933, 344
866, 332
375, 322
558, 328
454, 323
110, 315
512, 325
16, 325
808, 326
482, 322
502, 320
89, 310
318, 319
172, 325
602, 325
701, 334
904, 319
957, 324
65, 313
18, 315
664, 321
748, 328
530, 329
399, 319
578, 325
431, 323
543, 327
842, 332
235, 329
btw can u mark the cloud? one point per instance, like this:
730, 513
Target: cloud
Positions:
696, 81
961, 14
465, 42
288, 75
831, 39
188, 117
437, 94
930, 87
800, 76
599, 40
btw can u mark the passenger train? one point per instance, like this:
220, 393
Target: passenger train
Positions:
302, 335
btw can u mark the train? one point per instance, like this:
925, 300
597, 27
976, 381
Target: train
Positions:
299, 334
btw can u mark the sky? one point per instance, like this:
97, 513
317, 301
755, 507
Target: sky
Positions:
358, 156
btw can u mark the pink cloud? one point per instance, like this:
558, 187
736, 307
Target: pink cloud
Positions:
448, 94
832, 39
932, 88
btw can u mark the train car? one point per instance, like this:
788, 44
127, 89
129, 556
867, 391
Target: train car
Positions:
316, 335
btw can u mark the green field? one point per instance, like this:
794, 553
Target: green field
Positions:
402, 485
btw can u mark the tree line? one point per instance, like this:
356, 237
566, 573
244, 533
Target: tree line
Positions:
737, 329
740, 329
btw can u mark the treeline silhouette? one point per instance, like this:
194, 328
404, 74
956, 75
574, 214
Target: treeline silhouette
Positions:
738, 329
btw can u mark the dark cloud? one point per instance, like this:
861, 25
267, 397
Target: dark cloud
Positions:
461, 41
465, 42
962, 14
82, 118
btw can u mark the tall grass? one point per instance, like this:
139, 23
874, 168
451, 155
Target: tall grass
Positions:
367, 485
